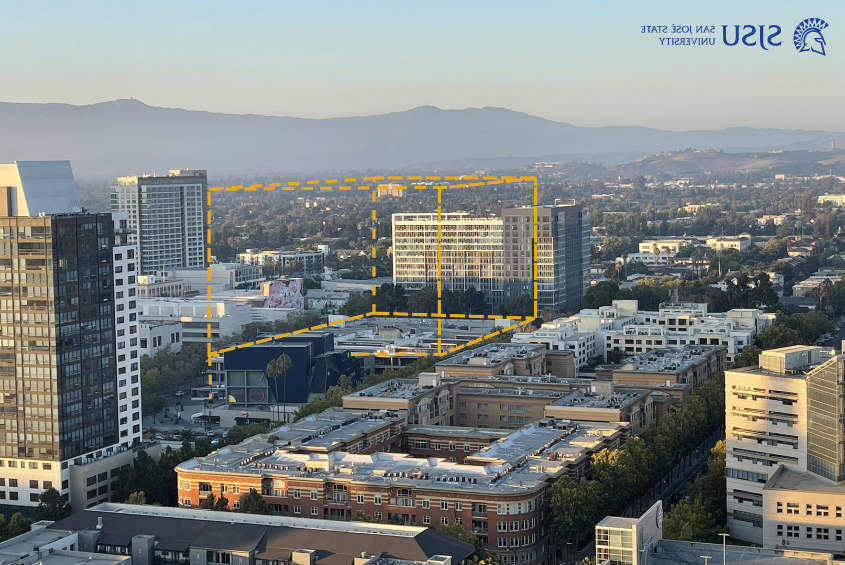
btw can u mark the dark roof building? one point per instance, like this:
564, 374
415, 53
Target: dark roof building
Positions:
154, 534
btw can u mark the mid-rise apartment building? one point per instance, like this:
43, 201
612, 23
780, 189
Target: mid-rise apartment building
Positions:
623, 329
464, 251
167, 217
838, 199
308, 261
563, 254
500, 491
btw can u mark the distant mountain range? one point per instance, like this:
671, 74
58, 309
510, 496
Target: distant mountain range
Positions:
129, 137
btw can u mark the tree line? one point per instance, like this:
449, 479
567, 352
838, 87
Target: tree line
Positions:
395, 298
787, 330
702, 514
619, 476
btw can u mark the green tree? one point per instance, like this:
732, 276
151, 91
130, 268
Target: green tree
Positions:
701, 516
423, 300
137, 498
17, 525
237, 434
748, 357
276, 368
252, 503
208, 502
357, 304
480, 554
522, 307
52, 506
778, 335
361, 517
600, 294
222, 504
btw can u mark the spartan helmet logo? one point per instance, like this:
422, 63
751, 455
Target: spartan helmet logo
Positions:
808, 36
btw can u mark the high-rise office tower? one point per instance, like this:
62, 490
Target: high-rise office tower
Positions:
496, 255
58, 376
167, 217
563, 254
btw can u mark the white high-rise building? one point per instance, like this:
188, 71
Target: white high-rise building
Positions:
167, 217
470, 252
126, 332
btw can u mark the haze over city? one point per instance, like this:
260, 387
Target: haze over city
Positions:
562, 61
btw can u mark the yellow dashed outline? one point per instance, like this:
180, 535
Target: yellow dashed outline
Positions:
349, 184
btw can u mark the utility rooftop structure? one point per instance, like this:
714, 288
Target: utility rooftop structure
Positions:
30, 188
496, 359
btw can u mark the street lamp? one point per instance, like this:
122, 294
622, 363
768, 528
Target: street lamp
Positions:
724, 549
706, 558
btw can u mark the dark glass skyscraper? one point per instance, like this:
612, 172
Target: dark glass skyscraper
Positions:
563, 254
57, 367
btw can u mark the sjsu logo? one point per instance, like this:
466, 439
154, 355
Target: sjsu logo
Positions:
808, 36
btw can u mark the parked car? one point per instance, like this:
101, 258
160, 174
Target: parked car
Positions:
177, 437
159, 436
215, 442
209, 433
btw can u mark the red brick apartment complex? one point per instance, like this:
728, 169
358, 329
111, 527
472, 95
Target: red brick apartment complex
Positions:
499, 491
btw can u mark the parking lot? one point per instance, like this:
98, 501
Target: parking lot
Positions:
176, 417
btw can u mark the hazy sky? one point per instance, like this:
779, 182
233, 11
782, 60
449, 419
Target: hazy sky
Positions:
582, 62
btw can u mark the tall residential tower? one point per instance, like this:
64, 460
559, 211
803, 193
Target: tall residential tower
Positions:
167, 217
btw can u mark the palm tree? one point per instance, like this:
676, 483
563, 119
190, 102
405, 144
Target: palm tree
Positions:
276, 368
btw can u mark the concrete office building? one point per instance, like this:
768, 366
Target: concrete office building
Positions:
166, 216
630, 540
155, 336
58, 360
786, 450
226, 317
496, 255
224, 276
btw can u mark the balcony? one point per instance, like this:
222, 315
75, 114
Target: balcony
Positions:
479, 513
